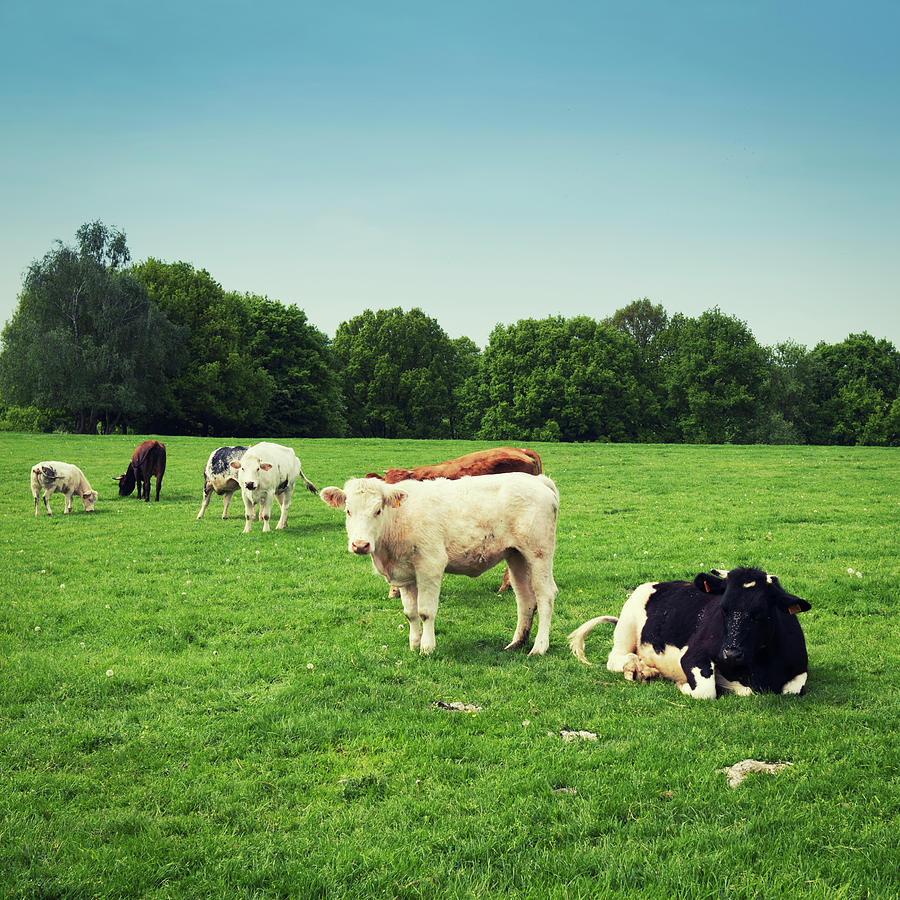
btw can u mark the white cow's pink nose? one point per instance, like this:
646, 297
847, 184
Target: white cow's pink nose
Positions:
360, 547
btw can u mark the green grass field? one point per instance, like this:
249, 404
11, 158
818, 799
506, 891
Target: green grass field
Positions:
190, 712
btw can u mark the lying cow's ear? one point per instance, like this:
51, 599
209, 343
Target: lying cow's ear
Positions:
709, 584
334, 497
793, 605
394, 498
235, 464
265, 466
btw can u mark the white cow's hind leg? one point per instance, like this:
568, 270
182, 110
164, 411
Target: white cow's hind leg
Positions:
284, 501
526, 602
47, 502
207, 493
226, 502
409, 596
68, 505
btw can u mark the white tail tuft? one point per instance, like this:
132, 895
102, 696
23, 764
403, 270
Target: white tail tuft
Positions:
576, 638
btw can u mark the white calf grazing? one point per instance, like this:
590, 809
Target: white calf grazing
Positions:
416, 531
268, 471
58, 477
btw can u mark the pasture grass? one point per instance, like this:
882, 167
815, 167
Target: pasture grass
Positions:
190, 712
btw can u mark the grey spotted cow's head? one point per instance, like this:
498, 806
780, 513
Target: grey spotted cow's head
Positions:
365, 501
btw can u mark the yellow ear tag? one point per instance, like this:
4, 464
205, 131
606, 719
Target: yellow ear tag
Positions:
795, 608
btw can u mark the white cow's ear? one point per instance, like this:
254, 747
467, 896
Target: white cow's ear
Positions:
235, 464
265, 466
394, 498
334, 497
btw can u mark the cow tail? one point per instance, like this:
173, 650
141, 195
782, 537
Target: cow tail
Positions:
576, 638
309, 485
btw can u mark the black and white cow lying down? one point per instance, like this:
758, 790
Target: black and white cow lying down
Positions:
735, 631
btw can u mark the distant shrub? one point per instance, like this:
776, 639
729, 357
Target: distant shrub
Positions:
32, 419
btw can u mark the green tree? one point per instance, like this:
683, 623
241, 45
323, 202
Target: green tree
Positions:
644, 322
853, 389
714, 373
306, 399
399, 372
85, 337
221, 389
563, 379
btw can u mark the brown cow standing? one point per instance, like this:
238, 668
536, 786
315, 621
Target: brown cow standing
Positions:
496, 461
148, 460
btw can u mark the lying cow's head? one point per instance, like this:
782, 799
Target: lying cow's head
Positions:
365, 500
249, 470
751, 603
89, 498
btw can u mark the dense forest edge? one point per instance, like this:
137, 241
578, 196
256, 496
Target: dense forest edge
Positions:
100, 345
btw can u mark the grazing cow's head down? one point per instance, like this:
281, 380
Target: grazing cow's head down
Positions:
89, 498
750, 602
126, 482
364, 500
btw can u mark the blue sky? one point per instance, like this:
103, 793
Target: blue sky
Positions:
486, 161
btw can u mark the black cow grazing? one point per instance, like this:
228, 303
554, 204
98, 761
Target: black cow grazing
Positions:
149, 460
217, 477
735, 631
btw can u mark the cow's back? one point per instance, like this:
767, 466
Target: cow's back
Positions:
674, 612
510, 506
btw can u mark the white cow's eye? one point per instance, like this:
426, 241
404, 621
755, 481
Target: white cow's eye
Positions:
348, 512
377, 512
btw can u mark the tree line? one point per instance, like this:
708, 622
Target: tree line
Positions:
99, 344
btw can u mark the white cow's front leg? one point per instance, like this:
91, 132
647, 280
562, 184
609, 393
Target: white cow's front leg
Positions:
428, 588
409, 596
249, 510
265, 508
68, 506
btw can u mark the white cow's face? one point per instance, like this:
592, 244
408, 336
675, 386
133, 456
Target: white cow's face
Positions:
249, 471
89, 499
365, 501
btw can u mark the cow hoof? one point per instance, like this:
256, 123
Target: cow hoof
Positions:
515, 645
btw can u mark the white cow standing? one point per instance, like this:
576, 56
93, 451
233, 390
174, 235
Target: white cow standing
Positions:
265, 472
416, 531
53, 477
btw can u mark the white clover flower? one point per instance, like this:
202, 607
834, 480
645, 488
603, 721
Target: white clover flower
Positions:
526, 723
849, 571
859, 574
37, 627
310, 666
109, 673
